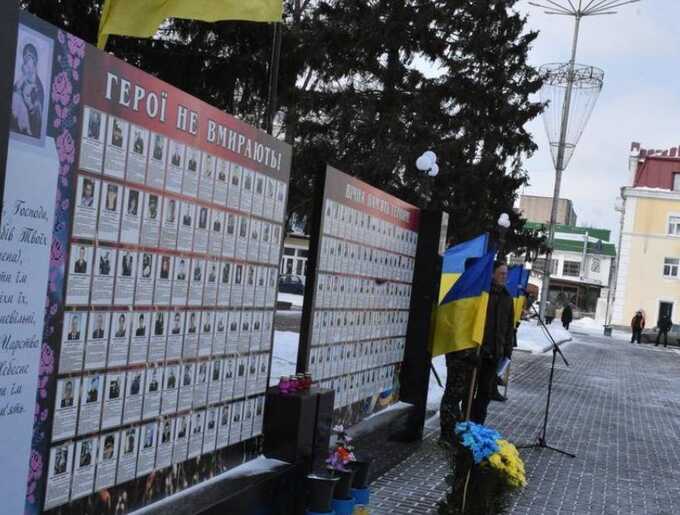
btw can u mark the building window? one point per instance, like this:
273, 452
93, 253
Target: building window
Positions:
288, 251
670, 267
539, 265
676, 181
595, 265
674, 225
571, 268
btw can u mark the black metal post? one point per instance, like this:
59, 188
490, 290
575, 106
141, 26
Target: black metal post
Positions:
415, 373
273, 90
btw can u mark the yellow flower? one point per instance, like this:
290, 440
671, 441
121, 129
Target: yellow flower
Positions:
508, 464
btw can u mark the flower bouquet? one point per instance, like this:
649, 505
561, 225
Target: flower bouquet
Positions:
484, 469
339, 463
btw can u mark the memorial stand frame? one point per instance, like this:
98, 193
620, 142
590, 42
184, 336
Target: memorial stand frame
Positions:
9, 14
415, 374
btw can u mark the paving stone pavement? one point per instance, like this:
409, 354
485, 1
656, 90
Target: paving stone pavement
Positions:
617, 408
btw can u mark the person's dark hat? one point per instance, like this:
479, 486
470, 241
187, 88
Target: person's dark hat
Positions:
30, 50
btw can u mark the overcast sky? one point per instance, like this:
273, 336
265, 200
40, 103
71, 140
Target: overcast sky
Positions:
638, 49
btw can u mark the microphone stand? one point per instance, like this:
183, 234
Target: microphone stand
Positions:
541, 439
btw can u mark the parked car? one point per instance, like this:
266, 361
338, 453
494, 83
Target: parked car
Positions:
649, 335
291, 284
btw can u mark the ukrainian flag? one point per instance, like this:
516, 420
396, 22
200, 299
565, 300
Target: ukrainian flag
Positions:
518, 277
461, 317
141, 18
513, 285
521, 297
453, 264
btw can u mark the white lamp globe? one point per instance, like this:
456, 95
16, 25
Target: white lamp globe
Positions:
431, 156
504, 220
423, 163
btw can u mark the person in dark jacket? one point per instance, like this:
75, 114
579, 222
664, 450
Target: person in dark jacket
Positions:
637, 324
497, 343
664, 325
567, 316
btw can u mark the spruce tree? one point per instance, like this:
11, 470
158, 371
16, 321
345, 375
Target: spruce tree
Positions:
367, 86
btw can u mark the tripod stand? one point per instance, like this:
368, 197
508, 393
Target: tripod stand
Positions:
541, 439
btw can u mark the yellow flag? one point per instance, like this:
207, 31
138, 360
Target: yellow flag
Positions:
141, 18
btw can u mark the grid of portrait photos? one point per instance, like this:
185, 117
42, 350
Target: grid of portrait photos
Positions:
170, 296
361, 304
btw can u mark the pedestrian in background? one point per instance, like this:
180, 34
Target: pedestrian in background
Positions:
637, 324
549, 312
567, 316
664, 325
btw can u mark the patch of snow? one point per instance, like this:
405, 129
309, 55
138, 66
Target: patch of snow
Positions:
590, 326
397, 406
436, 392
284, 355
295, 300
289, 313
649, 188
533, 338
259, 465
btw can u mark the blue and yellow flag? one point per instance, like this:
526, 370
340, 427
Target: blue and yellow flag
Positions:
513, 285
521, 297
141, 18
518, 277
453, 264
461, 317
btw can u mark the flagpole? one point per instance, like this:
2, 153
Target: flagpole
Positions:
274, 65
503, 226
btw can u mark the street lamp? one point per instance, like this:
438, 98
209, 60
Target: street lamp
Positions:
427, 163
573, 90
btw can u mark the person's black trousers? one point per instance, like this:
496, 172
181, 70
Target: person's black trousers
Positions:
637, 335
665, 338
566, 325
486, 383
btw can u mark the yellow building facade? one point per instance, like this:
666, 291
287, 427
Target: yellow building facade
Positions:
648, 271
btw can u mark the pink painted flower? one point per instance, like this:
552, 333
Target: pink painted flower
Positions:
36, 464
57, 123
76, 99
57, 254
61, 36
76, 46
46, 361
53, 309
62, 89
66, 148
43, 415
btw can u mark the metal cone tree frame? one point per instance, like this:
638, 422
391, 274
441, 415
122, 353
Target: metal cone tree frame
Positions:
578, 9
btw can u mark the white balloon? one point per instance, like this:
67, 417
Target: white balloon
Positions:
434, 171
423, 164
431, 156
